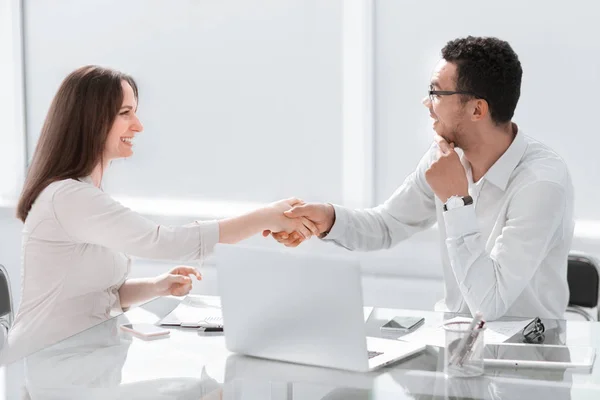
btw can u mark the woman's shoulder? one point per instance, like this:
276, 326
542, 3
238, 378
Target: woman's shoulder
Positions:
64, 194
69, 188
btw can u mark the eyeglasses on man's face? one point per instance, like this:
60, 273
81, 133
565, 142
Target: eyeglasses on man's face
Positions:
433, 94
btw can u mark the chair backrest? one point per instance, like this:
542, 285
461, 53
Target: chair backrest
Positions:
583, 276
6, 307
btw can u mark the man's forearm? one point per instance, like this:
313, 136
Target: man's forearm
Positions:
359, 229
371, 229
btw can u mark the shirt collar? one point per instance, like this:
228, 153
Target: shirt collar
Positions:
86, 179
500, 172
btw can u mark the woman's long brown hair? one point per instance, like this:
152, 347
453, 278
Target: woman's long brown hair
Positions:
74, 134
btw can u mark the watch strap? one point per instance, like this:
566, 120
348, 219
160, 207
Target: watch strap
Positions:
466, 201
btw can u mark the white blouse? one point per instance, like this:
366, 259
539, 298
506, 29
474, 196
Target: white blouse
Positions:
74, 256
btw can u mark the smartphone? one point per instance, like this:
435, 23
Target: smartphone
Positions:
146, 331
402, 324
538, 356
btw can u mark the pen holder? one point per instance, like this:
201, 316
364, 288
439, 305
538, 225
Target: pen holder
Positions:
463, 353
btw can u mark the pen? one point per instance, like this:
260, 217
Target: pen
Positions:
461, 345
469, 346
213, 329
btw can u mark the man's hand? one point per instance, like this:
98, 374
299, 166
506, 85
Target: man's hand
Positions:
446, 175
278, 221
322, 215
176, 282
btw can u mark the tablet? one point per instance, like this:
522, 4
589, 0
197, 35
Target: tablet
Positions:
538, 356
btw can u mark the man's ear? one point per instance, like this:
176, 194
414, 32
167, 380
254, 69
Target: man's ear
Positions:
480, 111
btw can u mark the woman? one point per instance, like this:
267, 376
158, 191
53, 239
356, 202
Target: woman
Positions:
76, 237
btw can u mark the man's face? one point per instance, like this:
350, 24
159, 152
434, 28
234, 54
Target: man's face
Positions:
447, 111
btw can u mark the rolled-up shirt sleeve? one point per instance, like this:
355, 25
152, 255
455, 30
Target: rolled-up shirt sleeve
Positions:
88, 215
491, 282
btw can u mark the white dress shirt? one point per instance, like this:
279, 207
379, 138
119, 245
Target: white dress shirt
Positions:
504, 255
75, 247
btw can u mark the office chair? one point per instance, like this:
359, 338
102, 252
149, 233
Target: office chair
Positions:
6, 308
583, 277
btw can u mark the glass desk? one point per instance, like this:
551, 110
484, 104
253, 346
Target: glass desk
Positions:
105, 362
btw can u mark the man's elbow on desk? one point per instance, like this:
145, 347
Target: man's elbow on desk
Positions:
492, 309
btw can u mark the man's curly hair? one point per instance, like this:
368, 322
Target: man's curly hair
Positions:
489, 68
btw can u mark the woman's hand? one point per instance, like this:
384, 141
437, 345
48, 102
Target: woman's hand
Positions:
176, 282
276, 221
321, 214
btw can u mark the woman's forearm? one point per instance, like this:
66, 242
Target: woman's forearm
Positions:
235, 229
135, 291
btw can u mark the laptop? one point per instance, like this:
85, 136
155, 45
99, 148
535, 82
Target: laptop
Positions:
301, 308
257, 378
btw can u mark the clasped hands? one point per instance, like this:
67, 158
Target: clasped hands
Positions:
299, 221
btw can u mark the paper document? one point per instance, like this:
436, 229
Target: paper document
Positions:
500, 331
367, 311
195, 309
496, 332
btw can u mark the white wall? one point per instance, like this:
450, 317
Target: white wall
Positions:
241, 100
12, 140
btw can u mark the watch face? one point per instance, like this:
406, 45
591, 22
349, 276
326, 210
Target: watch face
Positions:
454, 202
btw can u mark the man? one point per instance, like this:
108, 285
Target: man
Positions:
504, 205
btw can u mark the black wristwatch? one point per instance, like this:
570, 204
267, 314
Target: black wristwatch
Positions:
457, 201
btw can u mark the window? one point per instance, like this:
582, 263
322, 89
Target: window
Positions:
12, 133
241, 101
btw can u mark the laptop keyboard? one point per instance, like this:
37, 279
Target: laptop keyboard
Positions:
374, 354
213, 320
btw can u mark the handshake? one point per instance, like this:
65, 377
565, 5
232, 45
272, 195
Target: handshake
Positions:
292, 221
